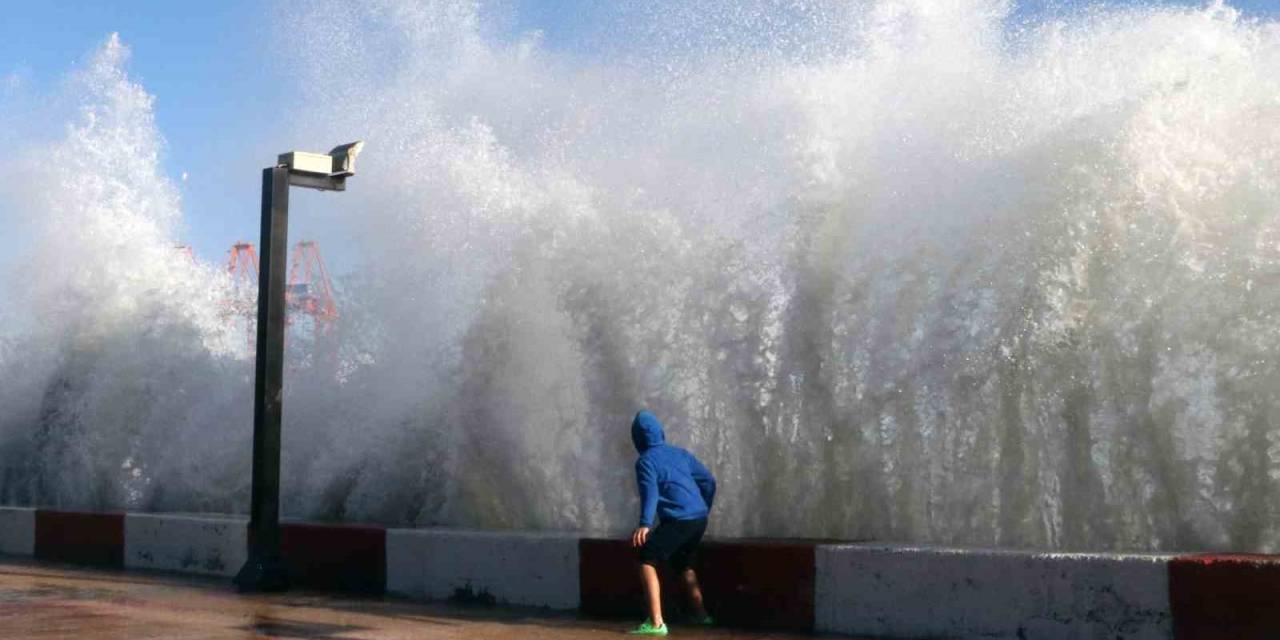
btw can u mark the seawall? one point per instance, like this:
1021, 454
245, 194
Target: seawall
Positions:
892, 591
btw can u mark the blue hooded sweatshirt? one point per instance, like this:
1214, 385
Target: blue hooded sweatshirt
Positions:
673, 484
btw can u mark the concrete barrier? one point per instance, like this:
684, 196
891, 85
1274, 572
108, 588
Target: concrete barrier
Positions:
80, 537
209, 545
1225, 596
907, 592
532, 569
17, 531
922, 592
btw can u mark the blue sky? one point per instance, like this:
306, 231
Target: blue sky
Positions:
187, 54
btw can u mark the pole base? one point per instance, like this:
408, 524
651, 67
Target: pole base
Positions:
262, 574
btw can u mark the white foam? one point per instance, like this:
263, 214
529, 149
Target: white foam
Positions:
906, 272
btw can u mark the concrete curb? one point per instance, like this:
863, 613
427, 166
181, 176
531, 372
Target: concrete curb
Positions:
863, 589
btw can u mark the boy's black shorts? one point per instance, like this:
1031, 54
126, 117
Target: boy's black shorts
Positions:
674, 541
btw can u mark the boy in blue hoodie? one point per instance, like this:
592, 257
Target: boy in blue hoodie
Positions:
676, 492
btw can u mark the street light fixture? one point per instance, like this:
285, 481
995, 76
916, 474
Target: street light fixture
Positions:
264, 570
323, 171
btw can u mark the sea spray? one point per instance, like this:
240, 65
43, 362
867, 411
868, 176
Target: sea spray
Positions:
916, 271
116, 362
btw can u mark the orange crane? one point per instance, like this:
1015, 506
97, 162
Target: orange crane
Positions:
308, 291
242, 305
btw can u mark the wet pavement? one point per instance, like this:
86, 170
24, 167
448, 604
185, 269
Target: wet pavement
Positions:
48, 602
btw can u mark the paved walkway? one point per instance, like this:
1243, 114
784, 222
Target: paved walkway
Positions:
39, 601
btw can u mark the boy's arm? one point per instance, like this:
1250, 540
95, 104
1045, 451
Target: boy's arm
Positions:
705, 481
647, 483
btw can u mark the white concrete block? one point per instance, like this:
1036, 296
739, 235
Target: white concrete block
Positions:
210, 545
922, 592
17, 531
533, 569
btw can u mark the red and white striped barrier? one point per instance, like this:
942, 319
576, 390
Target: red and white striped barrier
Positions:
862, 589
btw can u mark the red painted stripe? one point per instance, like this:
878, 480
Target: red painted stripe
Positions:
1225, 597
338, 557
80, 537
763, 584
747, 583
609, 580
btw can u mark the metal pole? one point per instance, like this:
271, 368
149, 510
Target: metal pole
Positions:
265, 570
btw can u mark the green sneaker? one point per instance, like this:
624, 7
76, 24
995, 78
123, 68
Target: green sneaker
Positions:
646, 628
705, 621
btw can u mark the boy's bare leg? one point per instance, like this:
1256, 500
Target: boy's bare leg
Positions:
695, 593
649, 576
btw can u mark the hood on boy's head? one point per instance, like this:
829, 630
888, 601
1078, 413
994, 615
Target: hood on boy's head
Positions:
646, 431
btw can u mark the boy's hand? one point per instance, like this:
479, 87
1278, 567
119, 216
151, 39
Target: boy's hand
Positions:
639, 536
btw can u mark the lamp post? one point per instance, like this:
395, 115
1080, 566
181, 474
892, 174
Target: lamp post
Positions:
264, 570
